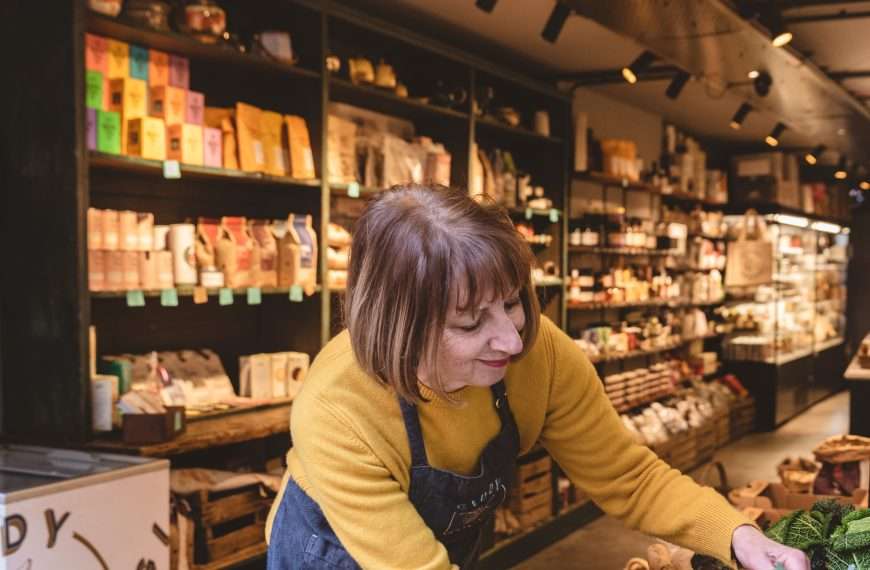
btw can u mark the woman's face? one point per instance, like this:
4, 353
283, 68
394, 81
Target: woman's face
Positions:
478, 343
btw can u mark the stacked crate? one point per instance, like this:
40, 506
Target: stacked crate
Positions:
532, 499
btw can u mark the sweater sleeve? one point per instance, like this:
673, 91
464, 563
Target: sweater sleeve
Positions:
364, 504
586, 437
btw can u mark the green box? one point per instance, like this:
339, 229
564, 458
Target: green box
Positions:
94, 90
109, 132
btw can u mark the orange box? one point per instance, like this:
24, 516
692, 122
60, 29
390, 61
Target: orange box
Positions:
118, 65
146, 137
96, 53
184, 144
169, 104
158, 68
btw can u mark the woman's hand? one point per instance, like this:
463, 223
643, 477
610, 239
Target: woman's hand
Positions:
757, 552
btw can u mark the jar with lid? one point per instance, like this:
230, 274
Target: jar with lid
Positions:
590, 237
205, 19
576, 237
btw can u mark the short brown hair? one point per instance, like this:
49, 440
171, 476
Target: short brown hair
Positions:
411, 247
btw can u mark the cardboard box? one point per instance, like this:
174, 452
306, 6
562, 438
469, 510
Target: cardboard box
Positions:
109, 132
179, 71
184, 144
129, 98
194, 107
766, 178
169, 104
94, 98
91, 128
299, 144
118, 64
146, 138
224, 119
96, 53
212, 147
158, 68
139, 63
270, 134
777, 496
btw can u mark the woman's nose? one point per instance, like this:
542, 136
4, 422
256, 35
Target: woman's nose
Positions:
506, 339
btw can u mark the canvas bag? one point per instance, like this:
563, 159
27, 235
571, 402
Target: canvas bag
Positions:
750, 260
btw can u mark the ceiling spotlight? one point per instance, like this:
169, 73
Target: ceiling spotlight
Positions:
842, 169
812, 157
643, 61
864, 185
762, 83
556, 22
486, 5
753, 74
779, 36
677, 83
740, 116
773, 138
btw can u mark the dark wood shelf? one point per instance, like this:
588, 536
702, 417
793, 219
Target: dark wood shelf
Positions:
180, 44
519, 212
217, 431
680, 197
520, 133
653, 351
385, 101
187, 291
137, 165
604, 306
620, 250
708, 236
770, 208
608, 180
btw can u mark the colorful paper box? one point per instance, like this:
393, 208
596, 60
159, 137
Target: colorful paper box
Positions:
179, 71
96, 53
184, 144
169, 104
195, 106
139, 62
212, 147
129, 97
94, 83
118, 65
109, 132
91, 128
158, 68
146, 138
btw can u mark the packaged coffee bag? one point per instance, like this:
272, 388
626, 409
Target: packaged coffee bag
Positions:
268, 252
234, 252
252, 155
271, 127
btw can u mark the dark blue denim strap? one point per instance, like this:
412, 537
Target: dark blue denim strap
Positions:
415, 433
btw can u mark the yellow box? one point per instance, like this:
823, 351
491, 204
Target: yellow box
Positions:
169, 104
146, 137
129, 98
118, 66
184, 143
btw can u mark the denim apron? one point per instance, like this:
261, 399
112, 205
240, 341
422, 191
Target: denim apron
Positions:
455, 507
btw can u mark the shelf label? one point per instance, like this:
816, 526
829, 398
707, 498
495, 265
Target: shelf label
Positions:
225, 296
529, 213
296, 293
169, 298
171, 169
255, 296
200, 295
135, 299
554, 215
353, 190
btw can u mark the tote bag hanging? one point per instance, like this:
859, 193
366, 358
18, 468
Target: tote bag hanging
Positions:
750, 259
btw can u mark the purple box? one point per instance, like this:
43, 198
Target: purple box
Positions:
195, 108
179, 71
91, 119
212, 146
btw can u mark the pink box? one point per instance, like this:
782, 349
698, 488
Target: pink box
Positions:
195, 108
179, 71
212, 144
91, 115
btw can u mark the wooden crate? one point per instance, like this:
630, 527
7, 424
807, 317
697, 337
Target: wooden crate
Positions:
683, 454
532, 498
705, 442
722, 425
226, 523
742, 417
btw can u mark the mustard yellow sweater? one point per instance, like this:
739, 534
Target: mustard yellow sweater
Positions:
350, 454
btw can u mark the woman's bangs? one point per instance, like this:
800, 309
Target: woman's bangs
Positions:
489, 269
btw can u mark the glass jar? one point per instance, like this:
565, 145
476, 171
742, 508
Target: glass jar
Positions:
205, 17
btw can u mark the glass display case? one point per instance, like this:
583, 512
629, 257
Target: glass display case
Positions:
787, 336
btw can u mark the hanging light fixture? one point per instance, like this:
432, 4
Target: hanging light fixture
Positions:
486, 5
762, 83
779, 35
556, 22
842, 171
740, 116
812, 157
677, 83
643, 61
773, 138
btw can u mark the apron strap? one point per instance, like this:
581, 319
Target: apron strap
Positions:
415, 434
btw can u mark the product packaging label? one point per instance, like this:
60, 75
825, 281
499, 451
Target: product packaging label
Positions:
139, 62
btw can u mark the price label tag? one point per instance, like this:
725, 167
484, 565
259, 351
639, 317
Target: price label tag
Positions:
353, 190
255, 296
529, 213
200, 295
554, 215
225, 296
135, 299
171, 169
169, 298
296, 293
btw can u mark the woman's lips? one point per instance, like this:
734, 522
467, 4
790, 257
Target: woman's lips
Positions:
496, 363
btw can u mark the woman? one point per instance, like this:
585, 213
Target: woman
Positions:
406, 433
